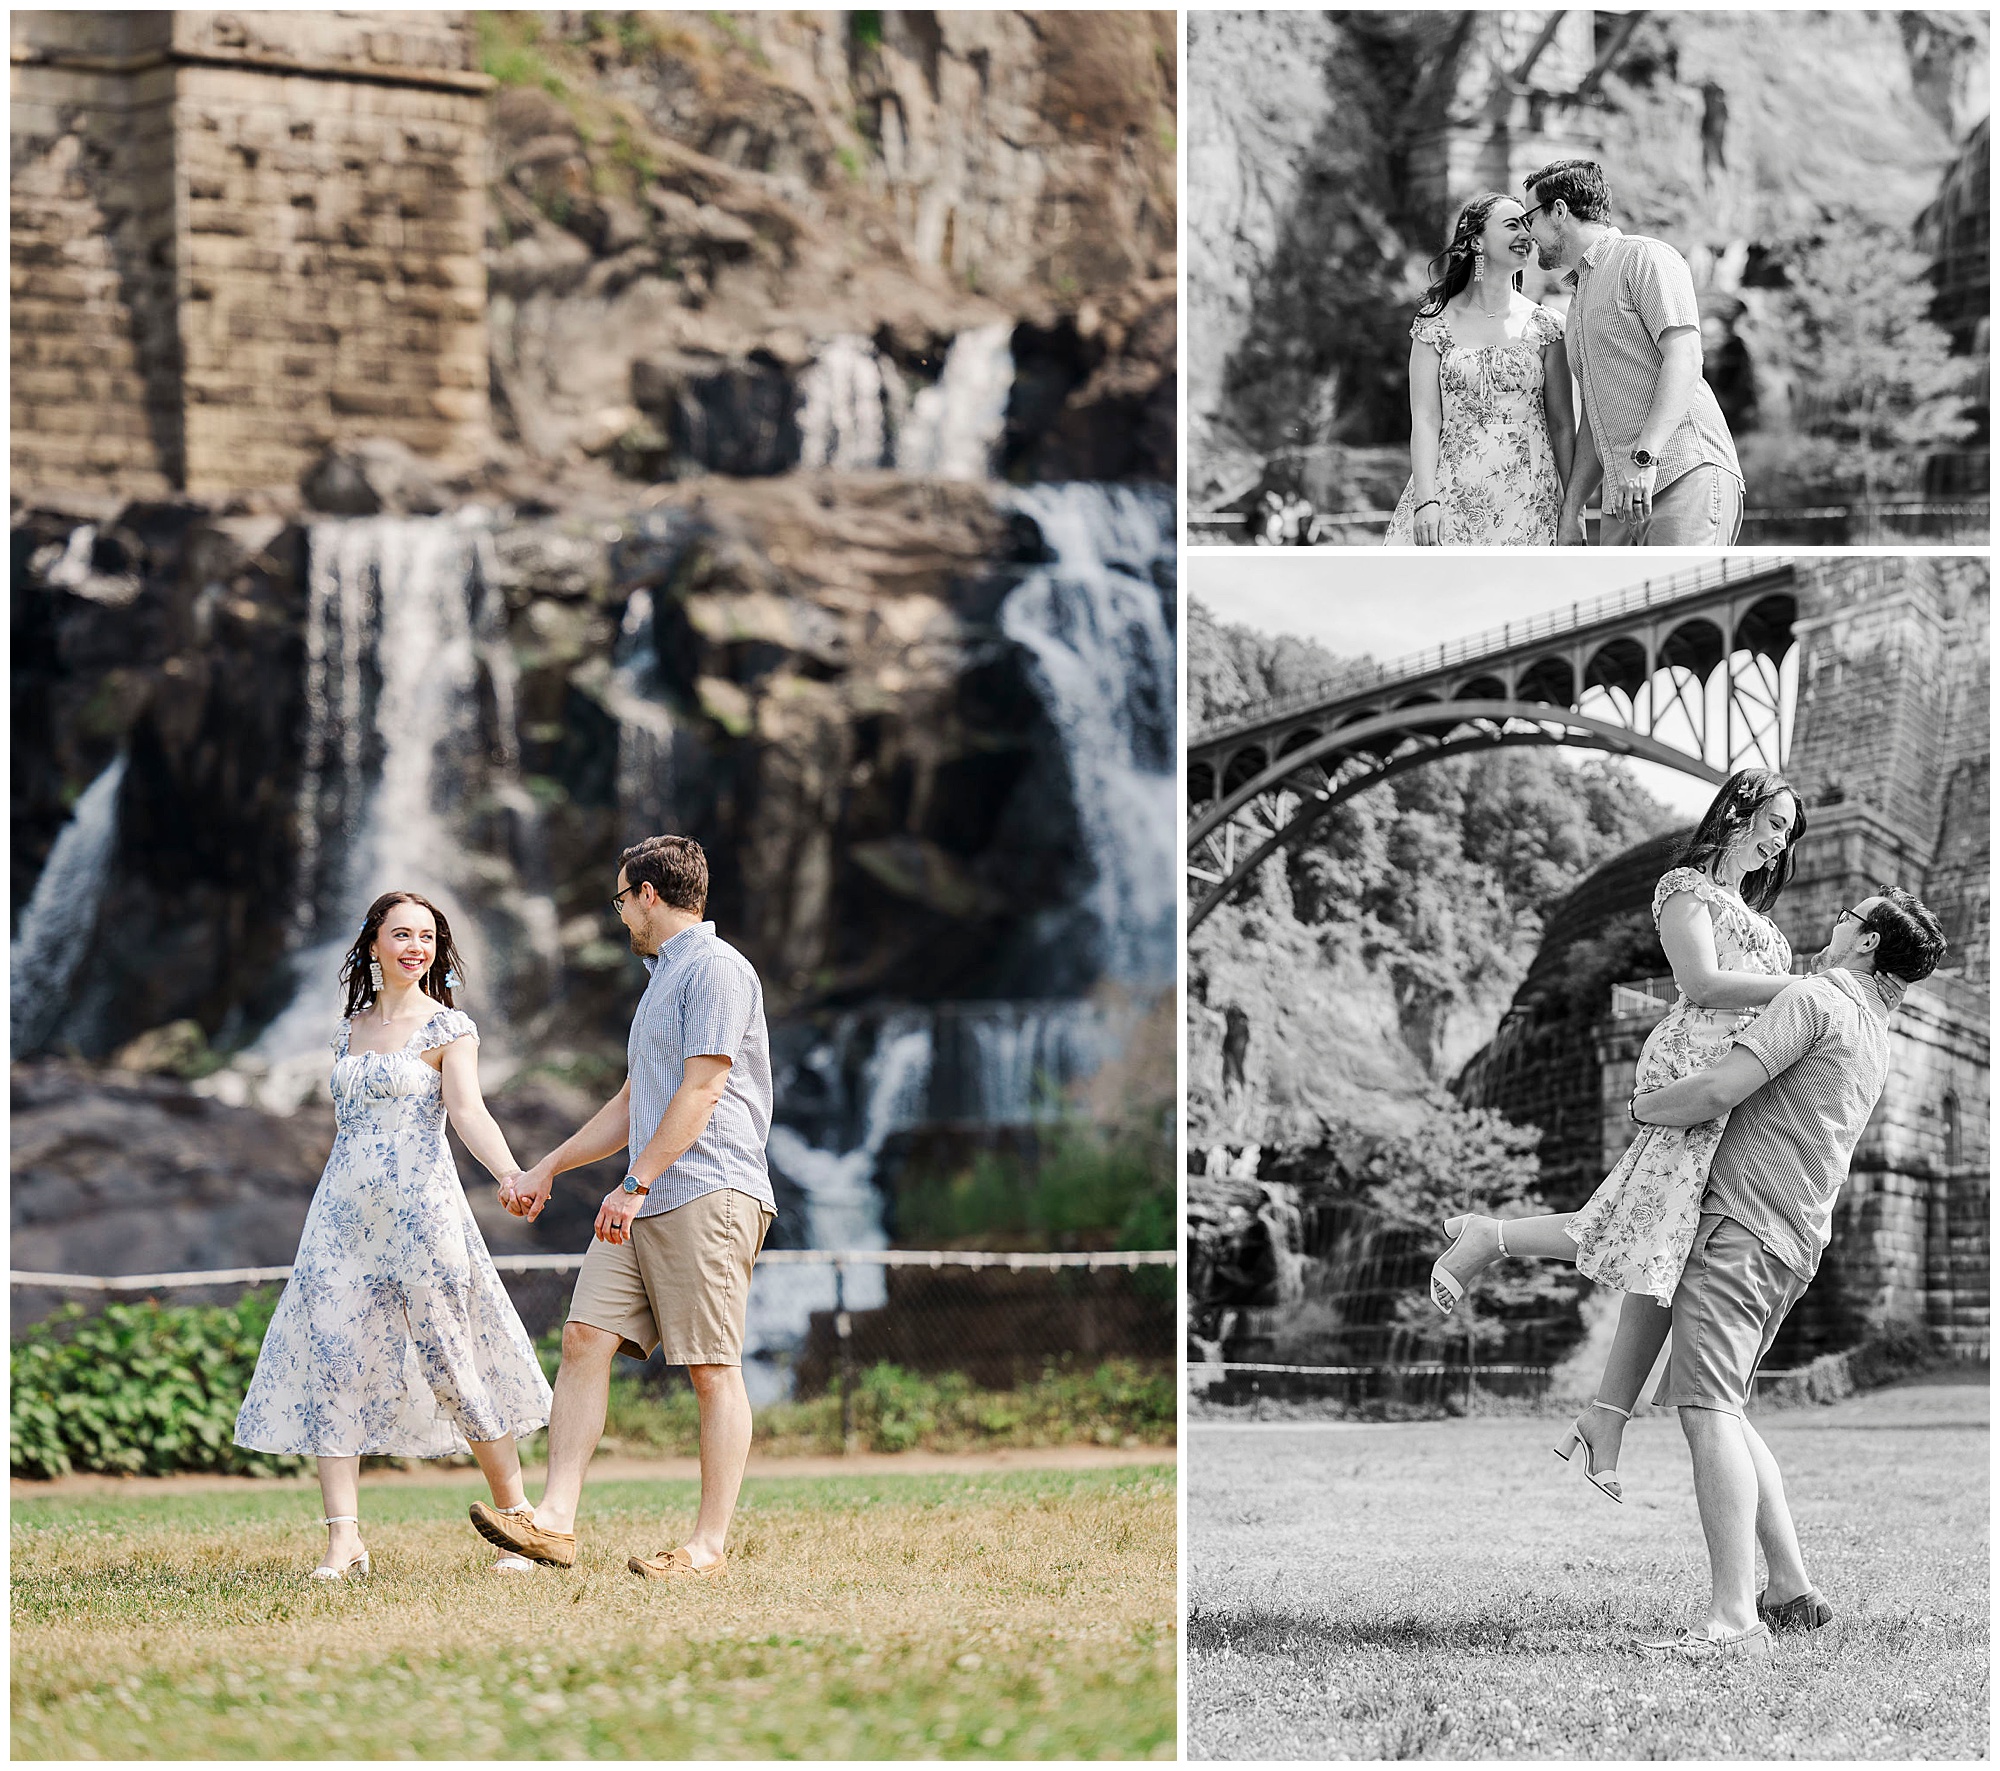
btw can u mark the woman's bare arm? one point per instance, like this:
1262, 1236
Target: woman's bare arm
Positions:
1426, 424
467, 1107
1688, 935
1559, 402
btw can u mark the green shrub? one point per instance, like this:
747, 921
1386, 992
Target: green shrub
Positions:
139, 1390
892, 1409
1084, 1187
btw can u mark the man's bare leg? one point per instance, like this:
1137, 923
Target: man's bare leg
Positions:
1726, 1495
576, 1420
1780, 1541
725, 1449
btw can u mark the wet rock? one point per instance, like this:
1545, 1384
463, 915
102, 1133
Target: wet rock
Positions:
375, 477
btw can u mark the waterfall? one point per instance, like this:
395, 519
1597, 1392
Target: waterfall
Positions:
1093, 624
61, 914
847, 396
843, 1207
1011, 1063
648, 784
954, 426
393, 604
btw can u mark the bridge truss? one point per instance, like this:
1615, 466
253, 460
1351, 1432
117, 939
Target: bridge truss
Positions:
1694, 672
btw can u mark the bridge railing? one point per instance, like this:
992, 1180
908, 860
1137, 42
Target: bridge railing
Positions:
1615, 605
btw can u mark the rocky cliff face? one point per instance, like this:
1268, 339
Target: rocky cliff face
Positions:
688, 214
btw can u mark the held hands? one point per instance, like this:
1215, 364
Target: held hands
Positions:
525, 1192
1570, 531
615, 1215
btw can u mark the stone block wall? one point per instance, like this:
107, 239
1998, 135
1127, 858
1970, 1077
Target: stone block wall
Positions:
95, 352
240, 237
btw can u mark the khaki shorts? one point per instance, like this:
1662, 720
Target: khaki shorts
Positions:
1733, 1297
682, 1283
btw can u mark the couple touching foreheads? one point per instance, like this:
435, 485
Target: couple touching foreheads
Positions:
394, 1336
1750, 1096
1497, 458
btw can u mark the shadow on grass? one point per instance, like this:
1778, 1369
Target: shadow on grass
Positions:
1302, 1635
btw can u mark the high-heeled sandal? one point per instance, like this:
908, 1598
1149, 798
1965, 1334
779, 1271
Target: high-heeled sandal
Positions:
508, 1562
1604, 1481
1445, 1289
358, 1561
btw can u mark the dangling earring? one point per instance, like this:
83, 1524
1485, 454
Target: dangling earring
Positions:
375, 975
451, 978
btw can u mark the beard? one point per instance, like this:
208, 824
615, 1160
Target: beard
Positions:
1820, 961
1550, 258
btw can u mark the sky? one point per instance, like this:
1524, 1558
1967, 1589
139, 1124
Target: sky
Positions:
1386, 605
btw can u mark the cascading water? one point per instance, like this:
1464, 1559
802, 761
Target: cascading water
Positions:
61, 912
848, 397
954, 427
396, 605
1103, 662
843, 1208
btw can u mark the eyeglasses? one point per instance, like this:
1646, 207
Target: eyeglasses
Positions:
1845, 914
1528, 215
618, 902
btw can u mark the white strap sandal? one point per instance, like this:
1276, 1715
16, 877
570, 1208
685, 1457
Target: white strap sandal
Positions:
357, 1563
1604, 1481
1445, 1289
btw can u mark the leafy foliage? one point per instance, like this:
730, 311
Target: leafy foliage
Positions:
1884, 389
1468, 1159
141, 1389
892, 1409
1085, 1186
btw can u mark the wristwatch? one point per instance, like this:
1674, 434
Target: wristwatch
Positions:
1644, 458
632, 1185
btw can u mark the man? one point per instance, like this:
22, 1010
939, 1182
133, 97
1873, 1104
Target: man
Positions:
1652, 432
673, 1245
1802, 1080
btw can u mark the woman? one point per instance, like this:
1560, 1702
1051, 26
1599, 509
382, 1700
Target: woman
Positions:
1634, 1232
395, 1337
1492, 424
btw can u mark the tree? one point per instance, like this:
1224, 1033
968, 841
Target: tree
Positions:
1468, 1159
1885, 390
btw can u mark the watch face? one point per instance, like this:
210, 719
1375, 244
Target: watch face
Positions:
631, 1186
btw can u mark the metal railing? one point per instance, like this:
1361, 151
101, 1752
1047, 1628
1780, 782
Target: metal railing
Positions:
1617, 605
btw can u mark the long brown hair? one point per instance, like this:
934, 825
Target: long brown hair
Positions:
436, 983
1457, 256
1736, 802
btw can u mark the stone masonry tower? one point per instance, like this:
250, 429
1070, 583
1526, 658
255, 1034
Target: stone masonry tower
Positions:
1892, 751
239, 237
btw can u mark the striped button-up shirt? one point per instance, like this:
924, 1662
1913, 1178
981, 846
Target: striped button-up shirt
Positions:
703, 1000
1824, 1043
1629, 290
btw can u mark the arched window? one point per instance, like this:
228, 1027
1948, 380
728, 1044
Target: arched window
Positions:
1952, 1153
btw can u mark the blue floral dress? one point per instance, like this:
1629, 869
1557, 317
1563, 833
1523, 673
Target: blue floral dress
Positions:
395, 1337
1496, 474
1635, 1231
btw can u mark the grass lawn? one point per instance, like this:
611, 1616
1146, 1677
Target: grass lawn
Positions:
1004, 1615
1448, 1590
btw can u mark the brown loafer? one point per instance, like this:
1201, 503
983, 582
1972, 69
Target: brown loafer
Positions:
669, 1563
519, 1532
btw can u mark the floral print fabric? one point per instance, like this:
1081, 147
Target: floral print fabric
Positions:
1635, 1230
1496, 472
395, 1337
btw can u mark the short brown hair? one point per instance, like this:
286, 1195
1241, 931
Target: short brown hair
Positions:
1578, 183
674, 866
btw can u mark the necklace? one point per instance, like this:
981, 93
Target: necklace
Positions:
1472, 289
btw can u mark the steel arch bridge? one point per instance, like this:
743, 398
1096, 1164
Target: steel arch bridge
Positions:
1684, 671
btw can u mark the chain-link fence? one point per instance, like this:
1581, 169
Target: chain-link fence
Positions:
816, 1316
